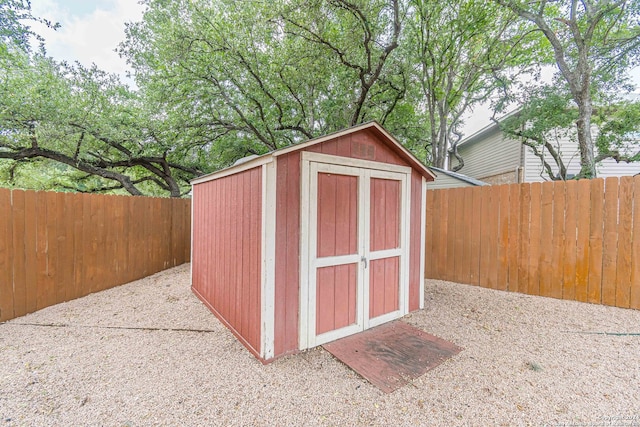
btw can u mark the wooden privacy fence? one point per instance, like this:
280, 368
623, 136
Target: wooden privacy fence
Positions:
55, 247
576, 240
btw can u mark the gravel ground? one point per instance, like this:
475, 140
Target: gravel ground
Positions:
526, 361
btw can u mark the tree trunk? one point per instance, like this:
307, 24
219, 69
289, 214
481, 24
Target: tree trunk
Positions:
585, 142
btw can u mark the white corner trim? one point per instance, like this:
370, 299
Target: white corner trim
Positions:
423, 237
268, 259
364, 239
406, 228
305, 201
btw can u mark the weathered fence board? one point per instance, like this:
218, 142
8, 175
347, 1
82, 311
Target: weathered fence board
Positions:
623, 264
55, 247
635, 251
570, 240
577, 240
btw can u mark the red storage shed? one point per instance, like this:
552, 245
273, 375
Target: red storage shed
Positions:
312, 242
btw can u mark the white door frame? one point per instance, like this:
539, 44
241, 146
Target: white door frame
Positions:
312, 163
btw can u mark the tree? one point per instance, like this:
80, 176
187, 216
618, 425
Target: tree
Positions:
593, 43
14, 32
461, 53
261, 75
88, 129
71, 127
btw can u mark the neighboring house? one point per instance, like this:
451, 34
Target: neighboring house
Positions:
493, 157
448, 179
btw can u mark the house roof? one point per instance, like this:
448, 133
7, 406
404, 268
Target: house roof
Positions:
459, 176
251, 161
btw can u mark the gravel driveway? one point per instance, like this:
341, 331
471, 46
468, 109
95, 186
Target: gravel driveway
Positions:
115, 358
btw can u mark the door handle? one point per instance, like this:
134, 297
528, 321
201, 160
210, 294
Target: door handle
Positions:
364, 259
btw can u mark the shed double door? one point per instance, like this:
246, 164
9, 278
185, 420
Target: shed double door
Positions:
358, 258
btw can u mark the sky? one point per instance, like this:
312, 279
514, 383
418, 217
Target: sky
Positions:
92, 29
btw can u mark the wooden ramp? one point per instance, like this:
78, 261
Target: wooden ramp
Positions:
391, 355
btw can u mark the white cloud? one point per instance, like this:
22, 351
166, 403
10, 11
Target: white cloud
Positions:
88, 36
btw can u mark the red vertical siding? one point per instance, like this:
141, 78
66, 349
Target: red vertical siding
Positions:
287, 274
385, 214
337, 215
336, 297
363, 145
383, 288
227, 258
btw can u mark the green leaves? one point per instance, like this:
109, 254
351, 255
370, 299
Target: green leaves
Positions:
87, 130
619, 131
272, 73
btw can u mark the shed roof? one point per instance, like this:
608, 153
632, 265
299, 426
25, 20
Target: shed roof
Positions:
459, 176
374, 126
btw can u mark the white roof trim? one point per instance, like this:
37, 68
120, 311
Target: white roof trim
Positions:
253, 163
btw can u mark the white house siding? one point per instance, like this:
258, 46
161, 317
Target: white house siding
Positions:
610, 167
446, 181
568, 149
491, 156
533, 170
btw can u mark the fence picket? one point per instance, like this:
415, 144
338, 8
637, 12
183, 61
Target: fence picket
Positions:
582, 241
634, 301
558, 240
514, 237
493, 236
30, 250
77, 202
545, 261
19, 256
474, 241
465, 258
525, 226
503, 238
534, 239
454, 251
6, 256
594, 290
610, 241
428, 239
43, 295
623, 265
570, 239
64, 282
486, 212
443, 219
